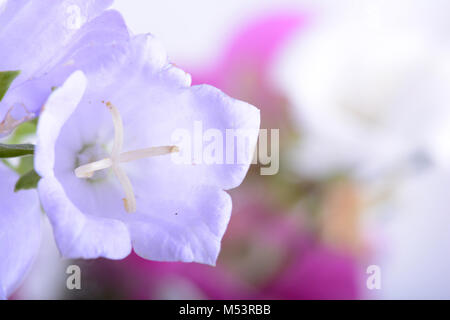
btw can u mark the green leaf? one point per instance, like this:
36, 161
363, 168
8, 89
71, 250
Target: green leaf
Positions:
15, 150
6, 78
28, 181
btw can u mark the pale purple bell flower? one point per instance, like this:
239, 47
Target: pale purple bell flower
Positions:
105, 154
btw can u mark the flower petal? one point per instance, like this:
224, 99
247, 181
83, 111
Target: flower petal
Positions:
48, 26
59, 107
20, 232
187, 229
78, 235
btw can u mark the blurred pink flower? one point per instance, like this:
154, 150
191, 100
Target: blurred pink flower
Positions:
319, 273
303, 267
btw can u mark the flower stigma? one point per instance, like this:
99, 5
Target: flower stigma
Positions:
117, 157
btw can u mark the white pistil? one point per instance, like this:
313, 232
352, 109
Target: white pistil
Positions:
117, 157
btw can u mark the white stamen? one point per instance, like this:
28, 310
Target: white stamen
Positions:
87, 170
147, 152
118, 131
130, 200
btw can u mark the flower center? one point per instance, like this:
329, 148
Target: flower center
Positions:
90, 153
117, 157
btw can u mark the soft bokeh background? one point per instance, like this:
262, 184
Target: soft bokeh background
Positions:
360, 91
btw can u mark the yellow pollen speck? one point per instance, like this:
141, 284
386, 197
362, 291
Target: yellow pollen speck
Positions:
126, 205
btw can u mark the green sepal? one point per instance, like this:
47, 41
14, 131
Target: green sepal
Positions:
28, 181
6, 78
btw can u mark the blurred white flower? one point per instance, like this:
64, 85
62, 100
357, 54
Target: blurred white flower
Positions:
413, 254
370, 89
